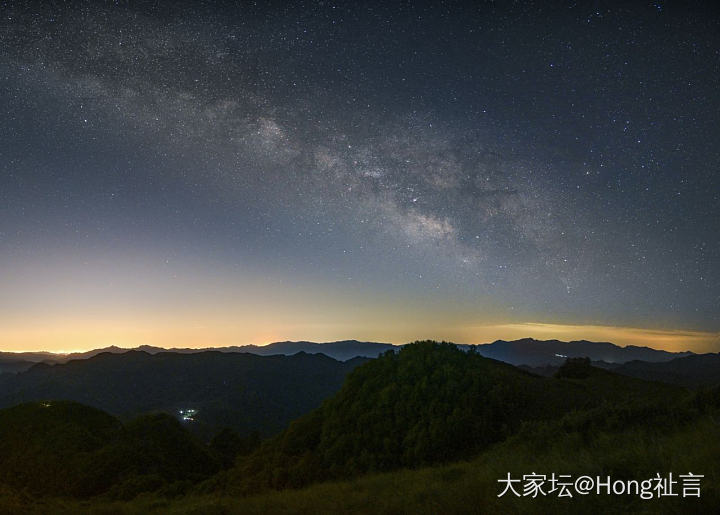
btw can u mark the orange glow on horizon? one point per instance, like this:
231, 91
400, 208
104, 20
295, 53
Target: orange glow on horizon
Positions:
60, 336
99, 300
670, 340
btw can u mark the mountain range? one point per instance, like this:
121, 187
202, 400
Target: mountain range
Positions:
690, 371
526, 351
261, 388
339, 350
531, 352
697, 370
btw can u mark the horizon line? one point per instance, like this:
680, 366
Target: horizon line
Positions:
210, 348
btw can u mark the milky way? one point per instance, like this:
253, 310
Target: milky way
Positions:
546, 164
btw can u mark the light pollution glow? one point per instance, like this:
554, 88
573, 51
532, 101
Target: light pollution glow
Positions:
71, 305
63, 336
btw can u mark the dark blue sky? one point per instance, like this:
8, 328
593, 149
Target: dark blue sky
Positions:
412, 167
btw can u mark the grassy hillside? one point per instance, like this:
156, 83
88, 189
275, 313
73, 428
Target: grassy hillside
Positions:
471, 486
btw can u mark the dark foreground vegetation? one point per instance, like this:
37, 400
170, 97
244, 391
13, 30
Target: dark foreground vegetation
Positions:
427, 430
244, 392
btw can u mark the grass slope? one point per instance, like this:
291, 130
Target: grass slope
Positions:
471, 487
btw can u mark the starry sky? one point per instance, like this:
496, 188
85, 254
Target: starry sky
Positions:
222, 173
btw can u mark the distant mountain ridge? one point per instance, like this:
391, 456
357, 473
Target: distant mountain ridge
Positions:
341, 350
691, 371
525, 351
535, 353
13, 366
694, 371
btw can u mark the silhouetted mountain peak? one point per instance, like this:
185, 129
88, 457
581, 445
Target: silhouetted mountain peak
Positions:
535, 353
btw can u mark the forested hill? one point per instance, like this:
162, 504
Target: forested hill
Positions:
429, 403
58, 448
241, 391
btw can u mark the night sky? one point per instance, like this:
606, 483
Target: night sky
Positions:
211, 173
